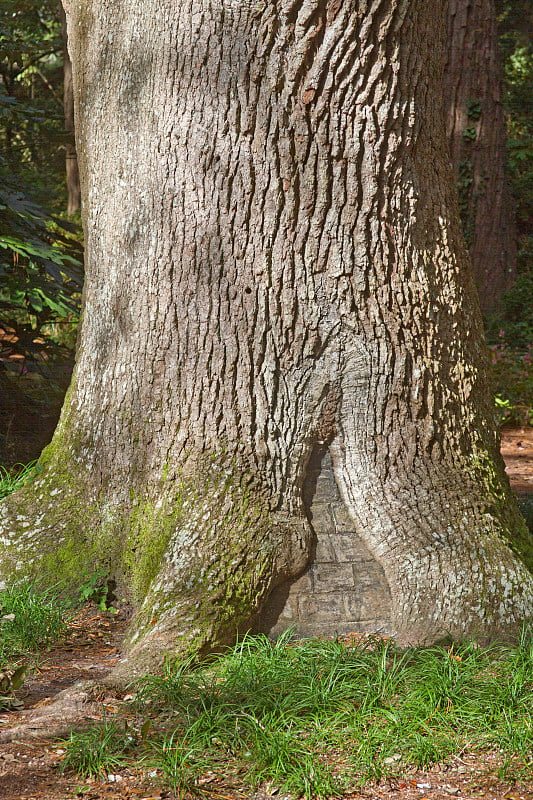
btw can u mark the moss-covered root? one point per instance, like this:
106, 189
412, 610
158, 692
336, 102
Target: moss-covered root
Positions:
195, 553
215, 573
59, 525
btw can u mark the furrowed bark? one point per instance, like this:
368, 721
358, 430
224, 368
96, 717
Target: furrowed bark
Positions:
274, 259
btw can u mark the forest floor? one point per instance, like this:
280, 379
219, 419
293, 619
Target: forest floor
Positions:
517, 450
30, 770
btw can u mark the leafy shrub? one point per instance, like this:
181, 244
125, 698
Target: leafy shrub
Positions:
96, 587
40, 277
40, 255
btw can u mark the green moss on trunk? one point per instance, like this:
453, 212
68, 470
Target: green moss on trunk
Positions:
487, 471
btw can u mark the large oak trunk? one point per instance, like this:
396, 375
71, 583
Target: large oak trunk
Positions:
476, 132
274, 263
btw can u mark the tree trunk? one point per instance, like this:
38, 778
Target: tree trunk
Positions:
274, 261
476, 134
71, 157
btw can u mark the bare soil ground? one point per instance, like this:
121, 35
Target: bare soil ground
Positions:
29, 770
517, 450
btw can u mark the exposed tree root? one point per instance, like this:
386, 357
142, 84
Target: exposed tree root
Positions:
73, 707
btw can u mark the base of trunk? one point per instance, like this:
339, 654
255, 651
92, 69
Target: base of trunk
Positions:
205, 556
343, 589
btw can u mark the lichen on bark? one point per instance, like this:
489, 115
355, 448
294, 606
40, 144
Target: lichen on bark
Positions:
274, 259
217, 589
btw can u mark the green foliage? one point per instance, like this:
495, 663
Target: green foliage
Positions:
29, 30
510, 335
40, 275
465, 180
473, 110
510, 326
181, 765
97, 588
470, 134
314, 717
512, 321
40, 257
512, 371
517, 48
31, 112
97, 750
16, 477
32, 619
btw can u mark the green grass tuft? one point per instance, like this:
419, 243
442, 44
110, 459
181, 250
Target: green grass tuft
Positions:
31, 619
97, 750
14, 478
181, 764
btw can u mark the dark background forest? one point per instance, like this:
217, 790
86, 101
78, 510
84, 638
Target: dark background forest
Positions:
41, 237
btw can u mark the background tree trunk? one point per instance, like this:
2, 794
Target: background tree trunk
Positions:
71, 157
476, 134
274, 260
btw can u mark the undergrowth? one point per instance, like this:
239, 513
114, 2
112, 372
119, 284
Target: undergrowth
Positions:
31, 619
15, 478
97, 750
315, 717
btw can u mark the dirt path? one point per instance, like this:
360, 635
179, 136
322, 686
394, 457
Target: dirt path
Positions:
29, 770
517, 450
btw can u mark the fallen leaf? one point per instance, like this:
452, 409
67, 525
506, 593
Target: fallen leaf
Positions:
44, 702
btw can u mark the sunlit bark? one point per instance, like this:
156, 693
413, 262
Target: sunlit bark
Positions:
274, 259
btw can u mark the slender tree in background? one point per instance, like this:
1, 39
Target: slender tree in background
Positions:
476, 133
30, 92
516, 39
274, 258
40, 269
71, 158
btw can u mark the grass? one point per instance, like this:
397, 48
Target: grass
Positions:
316, 717
180, 764
97, 750
31, 619
14, 478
